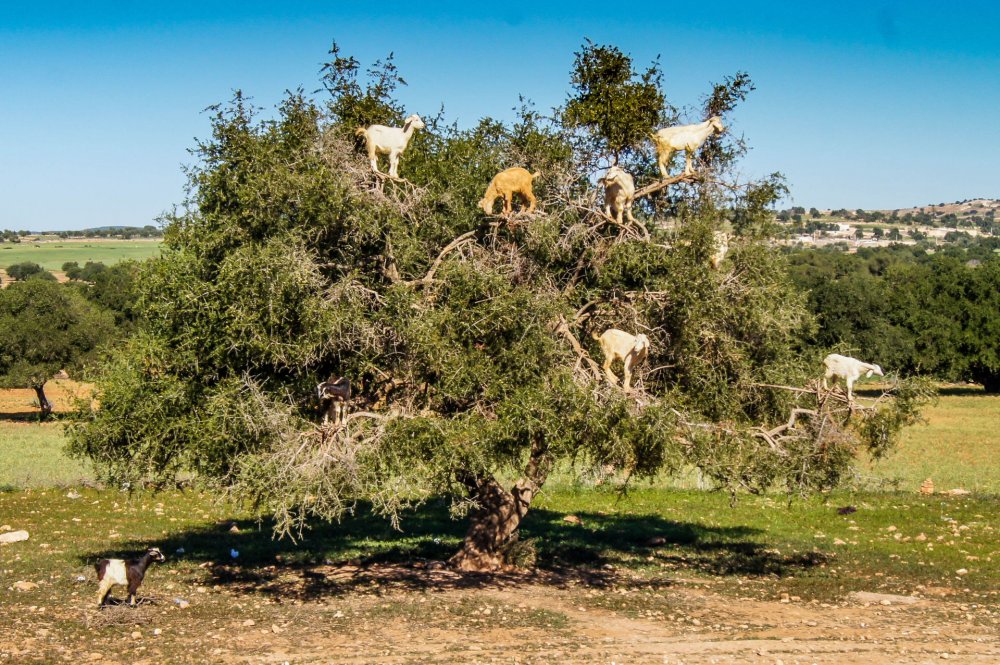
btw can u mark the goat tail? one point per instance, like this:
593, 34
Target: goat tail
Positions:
535, 174
360, 131
594, 336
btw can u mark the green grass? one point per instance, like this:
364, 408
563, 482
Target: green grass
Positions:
350, 577
52, 255
31, 455
893, 542
956, 448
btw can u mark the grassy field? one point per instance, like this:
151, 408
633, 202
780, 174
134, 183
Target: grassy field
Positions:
640, 577
958, 447
51, 255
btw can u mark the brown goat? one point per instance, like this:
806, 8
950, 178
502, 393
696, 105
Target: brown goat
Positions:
507, 183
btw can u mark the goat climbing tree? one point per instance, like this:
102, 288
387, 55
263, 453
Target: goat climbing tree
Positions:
466, 337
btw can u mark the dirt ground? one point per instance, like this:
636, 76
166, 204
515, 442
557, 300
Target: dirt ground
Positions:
406, 615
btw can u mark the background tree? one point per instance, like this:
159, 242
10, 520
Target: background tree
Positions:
45, 327
71, 269
26, 269
467, 337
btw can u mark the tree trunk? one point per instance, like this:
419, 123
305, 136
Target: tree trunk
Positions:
991, 382
43, 401
498, 513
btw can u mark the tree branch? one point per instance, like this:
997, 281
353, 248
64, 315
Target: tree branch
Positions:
657, 186
563, 328
454, 244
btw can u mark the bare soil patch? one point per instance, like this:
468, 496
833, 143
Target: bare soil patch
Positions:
425, 614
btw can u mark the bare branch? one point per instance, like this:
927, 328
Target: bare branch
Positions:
454, 244
563, 328
661, 184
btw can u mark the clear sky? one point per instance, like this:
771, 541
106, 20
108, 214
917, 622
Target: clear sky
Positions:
877, 104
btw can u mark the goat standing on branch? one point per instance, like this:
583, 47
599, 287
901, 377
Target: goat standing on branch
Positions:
619, 193
333, 397
849, 369
630, 349
507, 183
392, 141
683, 137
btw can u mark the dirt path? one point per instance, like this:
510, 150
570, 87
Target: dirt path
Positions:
393, 615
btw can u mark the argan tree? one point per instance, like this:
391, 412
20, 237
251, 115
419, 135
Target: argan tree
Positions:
45, 327
467, 338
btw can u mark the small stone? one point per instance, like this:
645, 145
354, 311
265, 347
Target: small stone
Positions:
890, 529
157, 631
72, 494
249, 622
869, 597
962, 571
958, 491
136, 635
13, 536
572, 519
838, 541
234, 528
25, 586
275, 628
927, 487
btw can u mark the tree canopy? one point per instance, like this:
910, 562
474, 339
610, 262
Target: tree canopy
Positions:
45, 327
467, 337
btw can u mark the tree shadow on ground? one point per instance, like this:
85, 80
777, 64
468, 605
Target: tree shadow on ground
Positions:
364, 553
33, 416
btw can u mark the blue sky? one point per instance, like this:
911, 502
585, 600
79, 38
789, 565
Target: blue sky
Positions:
860, 104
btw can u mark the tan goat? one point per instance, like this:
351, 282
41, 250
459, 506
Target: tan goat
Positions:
620, 345
507, 183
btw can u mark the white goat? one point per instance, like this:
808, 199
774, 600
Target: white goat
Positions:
630, 349
849, 369
392, 141
619, 193
683, 137
722, 248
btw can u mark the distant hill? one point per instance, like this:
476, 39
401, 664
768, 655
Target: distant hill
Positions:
967, 208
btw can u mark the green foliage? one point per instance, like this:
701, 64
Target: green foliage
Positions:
291, 264
115, 289
45, 327
617, 109
22, 271
906, 310
72, 269
354, 106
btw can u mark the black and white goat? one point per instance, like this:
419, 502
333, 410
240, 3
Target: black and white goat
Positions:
333, 397
128, 572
